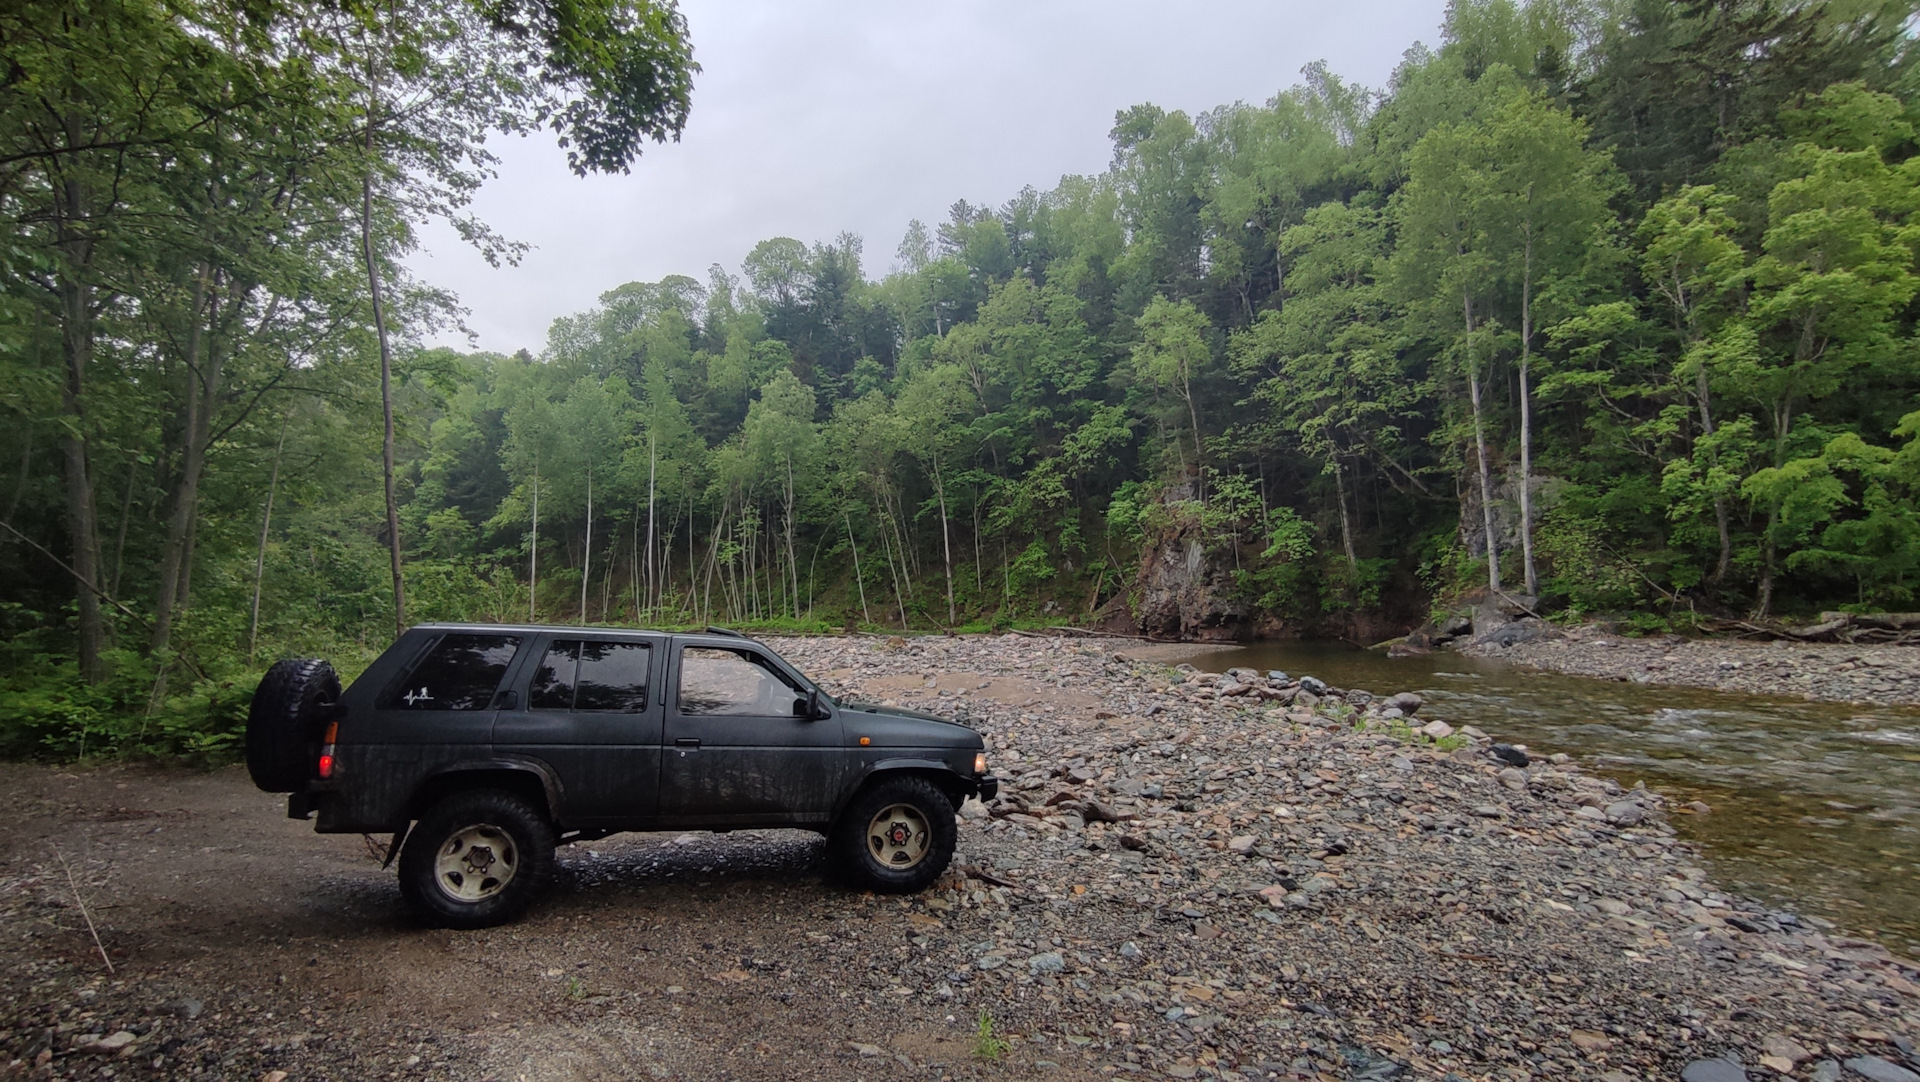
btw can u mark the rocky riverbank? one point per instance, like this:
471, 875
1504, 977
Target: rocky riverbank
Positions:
1878, 675
1188, 875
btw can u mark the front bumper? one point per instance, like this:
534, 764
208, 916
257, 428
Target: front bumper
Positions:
988, 787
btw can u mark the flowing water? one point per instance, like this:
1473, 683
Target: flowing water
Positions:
1816, 806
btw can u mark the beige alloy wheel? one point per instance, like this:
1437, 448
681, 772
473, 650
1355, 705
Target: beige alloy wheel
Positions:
898, 837
475, 863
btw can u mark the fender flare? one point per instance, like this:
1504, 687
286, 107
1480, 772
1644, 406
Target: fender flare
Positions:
549, 781
914, 764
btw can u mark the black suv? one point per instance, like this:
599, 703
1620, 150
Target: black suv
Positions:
482, 747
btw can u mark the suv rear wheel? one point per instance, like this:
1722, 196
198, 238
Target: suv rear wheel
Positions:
476, 859
896, 837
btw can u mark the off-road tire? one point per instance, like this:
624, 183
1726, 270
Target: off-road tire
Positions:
853, 851
284, 723
527, 832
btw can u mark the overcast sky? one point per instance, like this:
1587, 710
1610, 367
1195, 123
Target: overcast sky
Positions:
816, 116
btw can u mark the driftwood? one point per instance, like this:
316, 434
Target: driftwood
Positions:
1873, 628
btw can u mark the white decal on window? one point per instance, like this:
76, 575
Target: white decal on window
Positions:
413, 697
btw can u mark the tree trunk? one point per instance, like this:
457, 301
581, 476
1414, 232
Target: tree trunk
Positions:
1526, 418
386, 388
533, 550
946, 539
1720, 513
653, 592
586, 555
1346, 523
202, 376
1480, 448
76, 343
865, 615
1199, 454
260, 559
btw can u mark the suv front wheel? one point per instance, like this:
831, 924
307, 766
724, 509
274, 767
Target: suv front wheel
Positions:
896, 837
476, 859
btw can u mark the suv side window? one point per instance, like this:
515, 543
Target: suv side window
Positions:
461, 672
585, 675
731, 683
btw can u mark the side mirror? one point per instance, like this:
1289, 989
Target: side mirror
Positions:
507, 700
809, 706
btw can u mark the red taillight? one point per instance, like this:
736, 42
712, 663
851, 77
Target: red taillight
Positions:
326, 749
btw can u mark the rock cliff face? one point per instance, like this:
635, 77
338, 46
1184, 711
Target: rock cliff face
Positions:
1183, 594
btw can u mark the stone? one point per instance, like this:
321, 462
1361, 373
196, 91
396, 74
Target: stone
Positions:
1699, 807
1130, 951
1510, 755
865, 1049
1046, 962
1243, 844
1826, 1071
1313, 685
1275, 676
1406, 702
1625, 813
1356, 697
1875, 1069
115, 1042
1587, 1041
1589, 812
1612, 907
1437, 729
1777, 1064
1514, 779
188, 1008
1784, 1047
1488, 811
1234, 689
1305, 700
1714, 1070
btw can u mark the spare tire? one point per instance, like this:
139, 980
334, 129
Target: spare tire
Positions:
293, 701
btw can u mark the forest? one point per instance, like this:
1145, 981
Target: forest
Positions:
1609, 303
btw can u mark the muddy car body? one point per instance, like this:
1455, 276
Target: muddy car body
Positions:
479, 747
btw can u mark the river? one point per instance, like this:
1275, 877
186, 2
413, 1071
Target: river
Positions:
1816, 806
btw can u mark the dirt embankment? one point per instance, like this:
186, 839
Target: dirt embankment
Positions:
1208, 878
1880, 675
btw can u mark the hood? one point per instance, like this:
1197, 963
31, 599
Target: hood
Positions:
896, 726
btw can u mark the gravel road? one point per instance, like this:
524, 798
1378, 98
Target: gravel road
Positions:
1187, 876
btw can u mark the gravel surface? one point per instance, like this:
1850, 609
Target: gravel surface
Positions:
1187, 876
1878, 675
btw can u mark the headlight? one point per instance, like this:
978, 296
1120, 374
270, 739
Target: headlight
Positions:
979, 762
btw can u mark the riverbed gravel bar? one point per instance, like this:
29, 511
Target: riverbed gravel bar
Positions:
1187, 875
1830, 672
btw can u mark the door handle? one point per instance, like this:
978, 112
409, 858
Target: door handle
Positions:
686, 742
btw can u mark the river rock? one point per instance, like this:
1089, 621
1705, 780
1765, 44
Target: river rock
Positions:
1625, 813
1048, 962
1510, 755
1437, 729
1876, 1069
1313, 685
1714, 1070
1784, 1047
1406, 702
1275, 676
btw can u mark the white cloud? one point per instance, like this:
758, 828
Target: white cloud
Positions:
814, 117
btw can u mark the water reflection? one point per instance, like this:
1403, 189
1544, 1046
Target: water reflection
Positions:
1816, 805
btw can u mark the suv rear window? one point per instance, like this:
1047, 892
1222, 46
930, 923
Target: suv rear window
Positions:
461, 672
589, 676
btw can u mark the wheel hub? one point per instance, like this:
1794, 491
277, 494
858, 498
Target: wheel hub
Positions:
899, 837
475, 863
